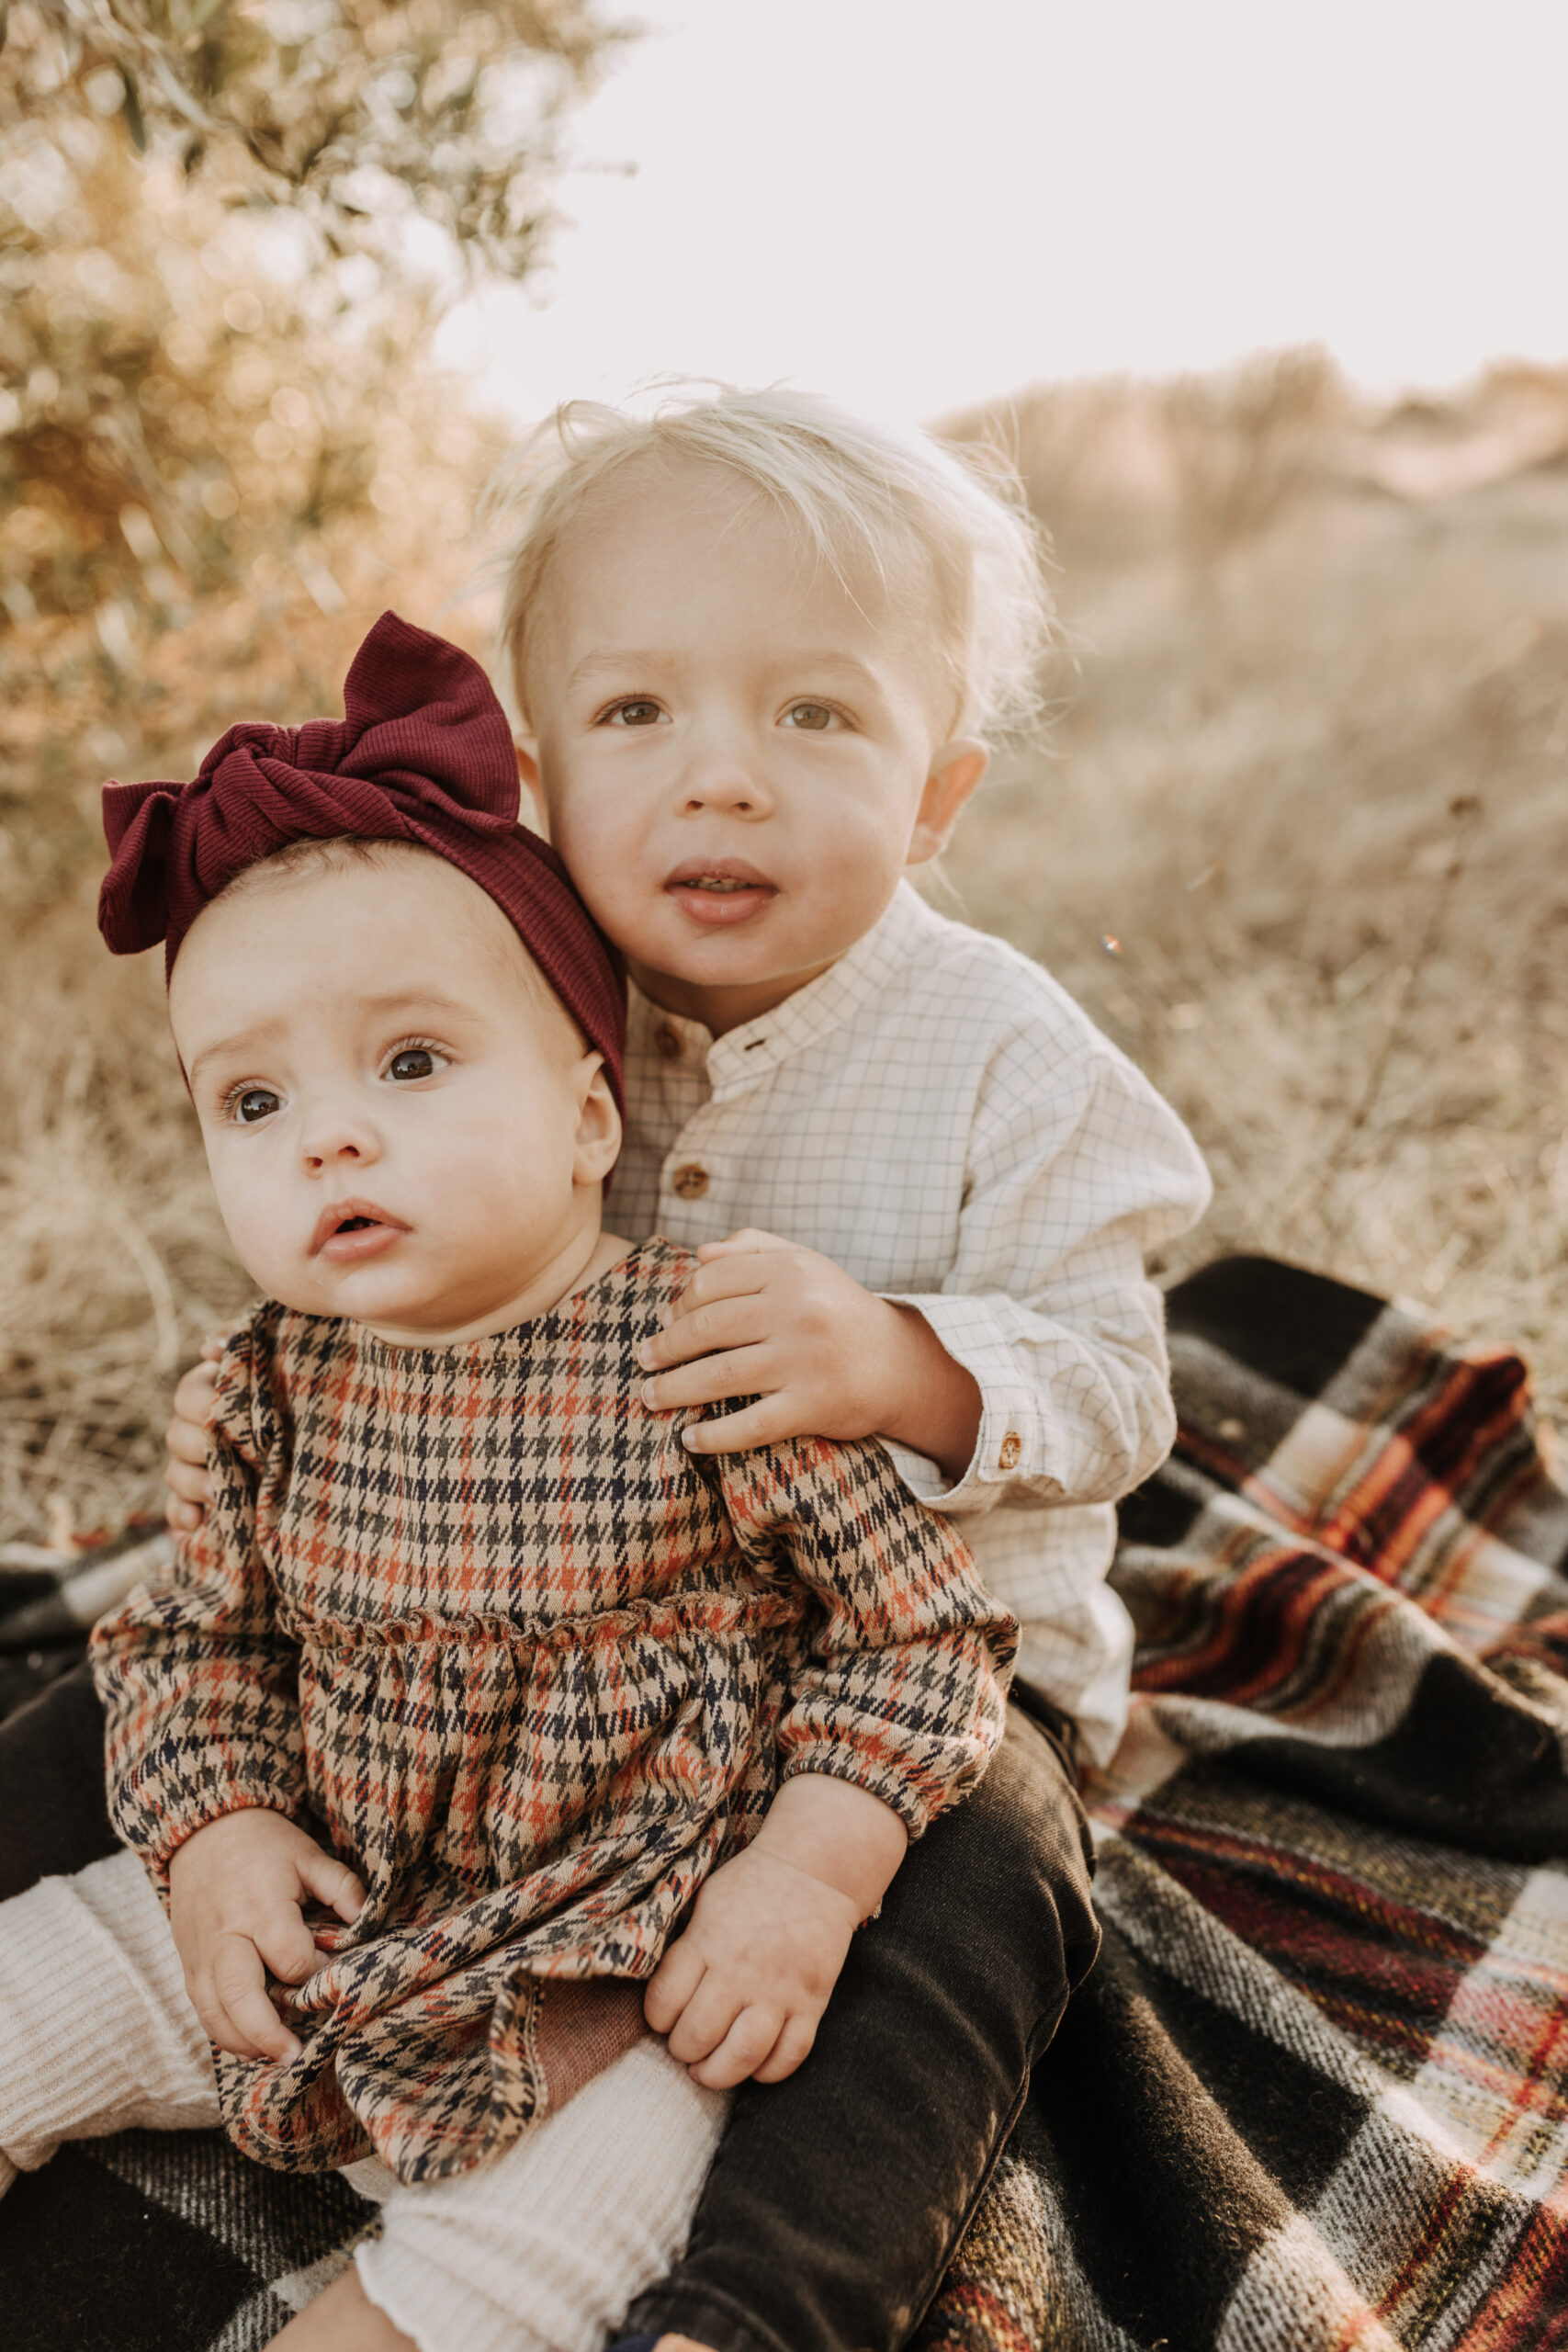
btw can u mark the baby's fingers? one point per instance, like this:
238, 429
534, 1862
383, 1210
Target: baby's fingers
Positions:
749, 2042
251, 2027
673, 1984
333, 1884
287, 1945
793, 2045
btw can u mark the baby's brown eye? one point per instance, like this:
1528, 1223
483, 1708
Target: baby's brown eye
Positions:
256, 1102
812, 715
414, 1061
636, 714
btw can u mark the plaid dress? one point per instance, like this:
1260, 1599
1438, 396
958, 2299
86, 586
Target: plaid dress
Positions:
476, 1616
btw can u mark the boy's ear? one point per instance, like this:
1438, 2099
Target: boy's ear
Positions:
956, 774
527, 750
598, 1124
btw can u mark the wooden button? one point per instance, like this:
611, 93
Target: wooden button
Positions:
668, 1042
690, 1182
1010, 1449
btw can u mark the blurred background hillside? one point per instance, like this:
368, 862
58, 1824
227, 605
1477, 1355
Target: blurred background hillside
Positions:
1294, 833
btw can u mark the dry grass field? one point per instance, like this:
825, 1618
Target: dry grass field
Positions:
1301, 839
1298, 838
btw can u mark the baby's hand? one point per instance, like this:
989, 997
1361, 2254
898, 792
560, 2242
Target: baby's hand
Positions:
184, 1468
236, 1896
824, 1358
740, 1993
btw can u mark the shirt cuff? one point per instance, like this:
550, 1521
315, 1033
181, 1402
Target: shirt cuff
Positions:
1015, 1445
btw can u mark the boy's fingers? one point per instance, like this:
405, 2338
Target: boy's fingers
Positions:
186, 1441
711, 1380
734, 1277
193, 1396
184, 1518
188, 1485
746, 1242
721, 1323
673, 1984
769, 1422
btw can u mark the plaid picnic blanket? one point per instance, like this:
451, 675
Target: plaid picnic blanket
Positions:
1314, 2093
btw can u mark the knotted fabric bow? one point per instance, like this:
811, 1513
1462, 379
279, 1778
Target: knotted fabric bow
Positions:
422, 753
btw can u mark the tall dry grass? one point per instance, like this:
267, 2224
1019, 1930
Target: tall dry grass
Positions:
1301, 839
1297, 840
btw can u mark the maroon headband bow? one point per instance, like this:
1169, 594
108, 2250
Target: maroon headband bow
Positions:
422, 753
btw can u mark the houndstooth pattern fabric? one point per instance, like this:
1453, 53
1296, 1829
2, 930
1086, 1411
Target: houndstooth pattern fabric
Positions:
533, 1668
936, 1116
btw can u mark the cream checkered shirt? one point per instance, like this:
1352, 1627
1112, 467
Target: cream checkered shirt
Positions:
939, 1117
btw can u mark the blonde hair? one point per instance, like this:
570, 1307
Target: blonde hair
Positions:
859, 491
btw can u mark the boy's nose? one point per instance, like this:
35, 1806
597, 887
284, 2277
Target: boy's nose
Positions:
723, 783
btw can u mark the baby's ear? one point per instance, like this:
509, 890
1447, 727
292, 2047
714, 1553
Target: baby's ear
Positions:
956, 773
598, 1124
527, 750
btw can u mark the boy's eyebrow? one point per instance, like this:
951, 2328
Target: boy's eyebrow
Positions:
632, 658
619, 657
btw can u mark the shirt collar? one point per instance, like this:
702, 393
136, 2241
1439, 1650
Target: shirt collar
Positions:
742, 1056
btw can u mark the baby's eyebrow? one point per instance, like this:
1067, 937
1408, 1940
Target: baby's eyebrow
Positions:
407, 1001
244, 1042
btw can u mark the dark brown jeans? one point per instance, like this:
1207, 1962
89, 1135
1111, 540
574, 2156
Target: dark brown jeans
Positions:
837, 2197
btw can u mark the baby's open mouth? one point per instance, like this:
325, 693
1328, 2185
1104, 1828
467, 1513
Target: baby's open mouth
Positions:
350, 1230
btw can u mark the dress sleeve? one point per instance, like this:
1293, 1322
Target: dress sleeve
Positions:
200, 1686
1075, 1168
900, 1681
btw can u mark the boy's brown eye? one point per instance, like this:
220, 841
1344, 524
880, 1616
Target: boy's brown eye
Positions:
812, 715
256, 1104
636, 714
414, 1061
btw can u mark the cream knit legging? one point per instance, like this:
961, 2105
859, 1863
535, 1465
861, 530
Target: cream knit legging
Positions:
540, 2251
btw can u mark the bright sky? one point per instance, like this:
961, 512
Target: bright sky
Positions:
915, 203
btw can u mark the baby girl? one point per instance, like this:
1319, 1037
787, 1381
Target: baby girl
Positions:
481, 1698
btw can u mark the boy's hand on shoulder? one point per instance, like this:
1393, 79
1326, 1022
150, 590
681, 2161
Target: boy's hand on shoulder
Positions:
762, 1317
236, 1893
739, 1994
184, 1463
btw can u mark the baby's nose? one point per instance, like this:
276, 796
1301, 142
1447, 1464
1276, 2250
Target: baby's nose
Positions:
336, 1143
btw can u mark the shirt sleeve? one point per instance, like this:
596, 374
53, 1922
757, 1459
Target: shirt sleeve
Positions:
198, 1684
899, 1682
1075, 1168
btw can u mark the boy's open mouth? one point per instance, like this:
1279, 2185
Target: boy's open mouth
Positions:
350, 1230
719, 891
